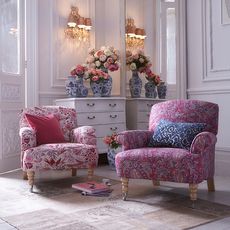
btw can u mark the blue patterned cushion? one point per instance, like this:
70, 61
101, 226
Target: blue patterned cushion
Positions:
177, 135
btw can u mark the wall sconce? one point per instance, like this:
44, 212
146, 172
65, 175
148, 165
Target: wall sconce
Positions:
135, 37
78, 27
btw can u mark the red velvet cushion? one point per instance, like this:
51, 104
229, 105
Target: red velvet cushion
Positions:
47, 128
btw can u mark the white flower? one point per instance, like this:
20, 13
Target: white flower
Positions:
97, 63
102, 58
133, 66
108, 52
141, 60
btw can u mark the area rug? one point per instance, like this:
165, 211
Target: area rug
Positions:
55, 206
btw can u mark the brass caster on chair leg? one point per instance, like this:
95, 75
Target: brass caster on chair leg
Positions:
124, 196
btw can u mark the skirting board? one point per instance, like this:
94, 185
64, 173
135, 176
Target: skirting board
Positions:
222, 163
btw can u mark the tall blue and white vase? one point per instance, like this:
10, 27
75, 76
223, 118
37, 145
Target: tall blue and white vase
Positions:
81, 91
135, 85
107, 87
70, 84
150, 90
162, 90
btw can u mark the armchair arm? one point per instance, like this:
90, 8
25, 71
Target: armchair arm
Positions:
204, 141
84, 135
204, 145
28, 138
133, 139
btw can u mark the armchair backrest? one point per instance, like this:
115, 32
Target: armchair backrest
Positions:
186, 111
67, 117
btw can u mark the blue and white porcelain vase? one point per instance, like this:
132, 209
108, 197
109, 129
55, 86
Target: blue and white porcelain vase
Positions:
81, 91
96, 87
111, 156
162, 90
70, 84
150, 90
107, 87
135, 85
102, 88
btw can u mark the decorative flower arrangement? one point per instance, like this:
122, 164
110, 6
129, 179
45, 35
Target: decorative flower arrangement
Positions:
137, 61
96, 75
152, 77
106, 59
112, 141
79, 70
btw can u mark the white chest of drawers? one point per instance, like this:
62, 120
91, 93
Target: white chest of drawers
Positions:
106, 115
138, 111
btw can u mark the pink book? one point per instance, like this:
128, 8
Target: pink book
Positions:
91, 187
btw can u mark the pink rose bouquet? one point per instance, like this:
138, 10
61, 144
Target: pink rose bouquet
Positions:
112, 141
96, 75
137, 61
106, 59
79, 70
152, 77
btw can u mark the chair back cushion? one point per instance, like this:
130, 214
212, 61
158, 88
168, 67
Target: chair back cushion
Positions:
189, 111
47, 128
66, 116
175, 134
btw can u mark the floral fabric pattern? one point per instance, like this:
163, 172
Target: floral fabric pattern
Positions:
193, 165
79, 150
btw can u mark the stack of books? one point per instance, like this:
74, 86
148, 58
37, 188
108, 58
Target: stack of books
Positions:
93, 188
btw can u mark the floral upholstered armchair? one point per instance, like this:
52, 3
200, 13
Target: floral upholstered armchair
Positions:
50, 139
178, 147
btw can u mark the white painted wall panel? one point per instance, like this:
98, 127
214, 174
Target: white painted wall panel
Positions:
209, 68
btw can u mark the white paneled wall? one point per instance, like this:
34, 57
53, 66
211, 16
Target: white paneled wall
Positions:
209, 67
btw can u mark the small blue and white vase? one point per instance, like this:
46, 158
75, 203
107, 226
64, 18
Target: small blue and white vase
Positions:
162, 90
70, 84
82, 91
150, 90
111, 156
135, 85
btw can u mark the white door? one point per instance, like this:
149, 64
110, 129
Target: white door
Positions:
12, 80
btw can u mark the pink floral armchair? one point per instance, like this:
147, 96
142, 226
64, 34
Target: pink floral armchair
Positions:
78, 150
193, 165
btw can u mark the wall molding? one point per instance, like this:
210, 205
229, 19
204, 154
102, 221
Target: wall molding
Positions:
209, 72
57, 81
203, 91
10, 130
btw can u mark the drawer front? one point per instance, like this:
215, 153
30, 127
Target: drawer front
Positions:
145, 105
92, 106
108, 129
143, 116
100, 118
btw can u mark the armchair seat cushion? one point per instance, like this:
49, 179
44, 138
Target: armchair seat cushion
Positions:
164, 164
60, 156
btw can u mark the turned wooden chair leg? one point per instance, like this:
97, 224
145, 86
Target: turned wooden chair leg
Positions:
24, 175
74, 172
90, 173
124, 188
156, 183
211, 185
193, 193
30, 175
